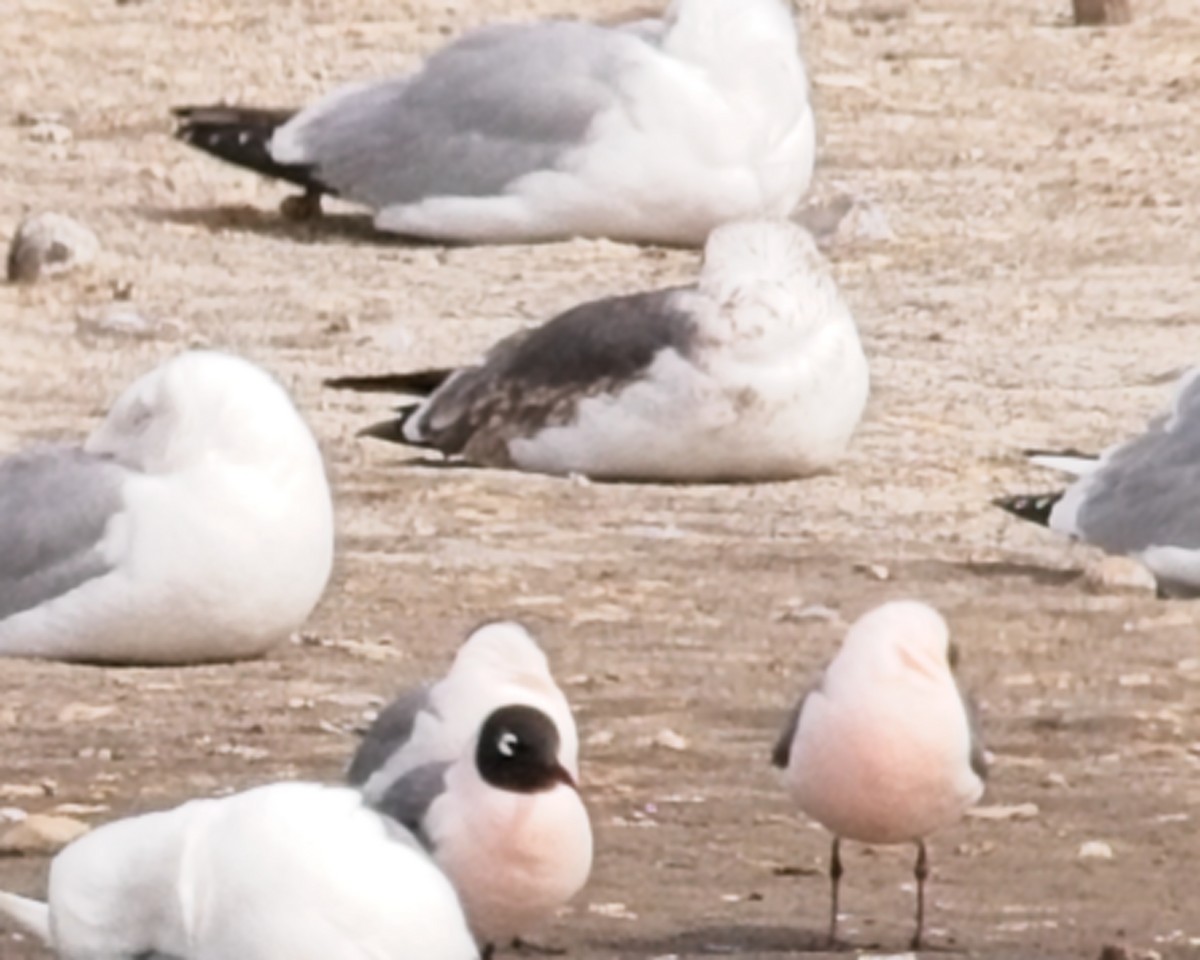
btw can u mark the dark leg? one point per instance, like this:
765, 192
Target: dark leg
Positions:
306, 207
921, 872
835, 876
488, 951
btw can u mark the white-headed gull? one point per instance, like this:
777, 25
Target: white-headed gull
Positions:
194, 524
652, 131
882, 748
754, 372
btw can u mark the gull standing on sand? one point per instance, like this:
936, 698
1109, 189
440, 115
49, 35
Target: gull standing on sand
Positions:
514, 836
1140, 498
654, 131
194, 524
882, 749
293, 870
755, 372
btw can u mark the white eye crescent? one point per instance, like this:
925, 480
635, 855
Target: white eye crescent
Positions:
507, 744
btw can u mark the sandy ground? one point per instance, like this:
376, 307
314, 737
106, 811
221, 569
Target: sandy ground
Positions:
1042, 184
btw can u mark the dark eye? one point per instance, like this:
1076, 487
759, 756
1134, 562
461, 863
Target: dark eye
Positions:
507, 744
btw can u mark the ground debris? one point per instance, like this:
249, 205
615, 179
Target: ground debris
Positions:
1012, 811
1110, 574
49, 244
1096, 13
1095, 850
40, 835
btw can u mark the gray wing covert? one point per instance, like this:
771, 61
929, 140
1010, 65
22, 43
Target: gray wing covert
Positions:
409, 798
1147, 492
389, 733
499, 103
55, 505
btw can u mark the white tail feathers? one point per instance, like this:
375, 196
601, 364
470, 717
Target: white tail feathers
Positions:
32, 915
1077, 465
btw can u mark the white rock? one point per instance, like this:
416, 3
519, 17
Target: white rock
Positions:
670, 740
1095, 850
49, 244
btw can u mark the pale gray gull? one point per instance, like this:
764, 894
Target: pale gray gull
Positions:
755, 372
882, 748
1139, 498
654, 131
194, 524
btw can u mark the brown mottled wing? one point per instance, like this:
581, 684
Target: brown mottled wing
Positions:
536, 378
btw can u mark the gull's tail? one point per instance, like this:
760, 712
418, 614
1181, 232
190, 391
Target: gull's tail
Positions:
393, 430
418, 384
1074, 462
1035, 508
242, 136
32, 915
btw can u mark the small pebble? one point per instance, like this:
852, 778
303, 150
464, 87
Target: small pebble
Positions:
49, 244
670, 740
1095, 850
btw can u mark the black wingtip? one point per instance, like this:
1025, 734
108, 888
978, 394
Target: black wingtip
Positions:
421, 383
392, 431
1071, 452
1036, 508
242, 136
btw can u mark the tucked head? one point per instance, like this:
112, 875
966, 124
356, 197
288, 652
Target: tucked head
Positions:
199, 404
747, 258
518, 751
912, 631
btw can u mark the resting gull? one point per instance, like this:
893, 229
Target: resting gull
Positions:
755, 372
654, 131
292, 870
1140, 498
882, 749
194, 524
516, 849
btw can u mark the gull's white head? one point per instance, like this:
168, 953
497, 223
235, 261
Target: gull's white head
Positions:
904, 635
204, 405
774, 264
722, 29
504, 646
